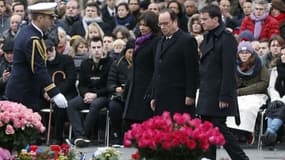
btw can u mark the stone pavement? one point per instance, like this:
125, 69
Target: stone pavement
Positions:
277, 154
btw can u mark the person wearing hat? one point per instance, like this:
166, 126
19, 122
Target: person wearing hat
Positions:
62, 70
30, 75
6, 65
252, 80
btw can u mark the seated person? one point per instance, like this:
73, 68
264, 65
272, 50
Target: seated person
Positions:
275, 113
93, 93
117, 79
6, 65
62, 70
252, 81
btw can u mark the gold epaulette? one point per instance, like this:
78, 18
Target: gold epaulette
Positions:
49, 87
40, 46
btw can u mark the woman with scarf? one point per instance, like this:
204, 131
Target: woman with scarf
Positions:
275, 112
271, 59
259, 23
252, 81
124, 17
137, 107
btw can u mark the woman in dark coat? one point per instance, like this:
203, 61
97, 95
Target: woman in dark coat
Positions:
137, 107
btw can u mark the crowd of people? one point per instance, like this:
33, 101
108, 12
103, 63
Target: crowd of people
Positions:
220, 60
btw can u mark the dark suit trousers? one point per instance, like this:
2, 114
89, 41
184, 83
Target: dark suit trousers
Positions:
231, 146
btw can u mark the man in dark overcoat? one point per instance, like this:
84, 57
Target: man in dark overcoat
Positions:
176, 68
217, 94
29, 75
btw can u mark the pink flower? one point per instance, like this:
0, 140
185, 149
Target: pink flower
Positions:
4, 154
9, 130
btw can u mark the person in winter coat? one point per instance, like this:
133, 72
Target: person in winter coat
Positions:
117, 79
275, 112
259, 23
217, 95
252, 80
137, 107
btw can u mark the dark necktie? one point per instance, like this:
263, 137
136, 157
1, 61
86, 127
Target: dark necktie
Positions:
165, 43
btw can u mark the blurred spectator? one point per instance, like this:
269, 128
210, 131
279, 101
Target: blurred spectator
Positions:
154, 7
117, 79
61, 69
278, 12
121, 32
272, 58
179, 11
275, 112
230, 21
108, 47
124, 16
134, 6
63, 46
191, 7
79, 52
18, 8
72, 15
252, 81
247, 8
259, 23
118, 46
4, 16
256, 46
92, 15
264, 50
245, 36
6, 66
195, 28
61, 8
11, 33
109, 13
94, 30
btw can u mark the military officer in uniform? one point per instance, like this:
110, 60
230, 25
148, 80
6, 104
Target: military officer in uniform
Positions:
29, 76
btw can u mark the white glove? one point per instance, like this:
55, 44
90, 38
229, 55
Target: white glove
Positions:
60, 101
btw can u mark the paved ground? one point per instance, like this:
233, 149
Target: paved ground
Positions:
276, 154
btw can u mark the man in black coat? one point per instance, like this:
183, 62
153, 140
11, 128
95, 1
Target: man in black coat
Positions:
93, 93
29, 75
176, 68
217, 94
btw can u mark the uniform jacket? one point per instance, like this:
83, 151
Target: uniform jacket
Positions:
176, 73
136, 107
217, 74
29, 74
269, 27
93, 78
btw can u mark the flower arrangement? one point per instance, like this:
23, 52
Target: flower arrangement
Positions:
55, 152
18, 125
180, 138
4, 154
106, 153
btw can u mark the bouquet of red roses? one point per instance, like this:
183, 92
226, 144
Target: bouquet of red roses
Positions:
180, 138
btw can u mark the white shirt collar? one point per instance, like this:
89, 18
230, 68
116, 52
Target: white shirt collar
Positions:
38, 29
111, 11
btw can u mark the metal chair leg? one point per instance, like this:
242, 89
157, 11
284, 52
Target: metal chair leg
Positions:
259, 145
107, 129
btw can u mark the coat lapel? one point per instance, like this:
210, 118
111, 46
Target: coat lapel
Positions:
170, 43
206, 47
